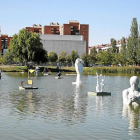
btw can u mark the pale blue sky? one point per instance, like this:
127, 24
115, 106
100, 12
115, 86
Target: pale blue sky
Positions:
106, 18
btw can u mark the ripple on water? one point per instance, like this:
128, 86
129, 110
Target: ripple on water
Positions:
60, 110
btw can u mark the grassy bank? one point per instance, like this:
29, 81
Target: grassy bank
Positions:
92, 70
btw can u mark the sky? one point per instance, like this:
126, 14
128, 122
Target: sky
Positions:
106, 18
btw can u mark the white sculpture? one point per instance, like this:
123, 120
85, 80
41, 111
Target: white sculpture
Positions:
102, 84
97, 87
79, 70
131, 96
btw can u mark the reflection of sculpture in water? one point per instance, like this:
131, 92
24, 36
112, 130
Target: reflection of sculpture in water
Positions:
131, 96
79, 69
133, 114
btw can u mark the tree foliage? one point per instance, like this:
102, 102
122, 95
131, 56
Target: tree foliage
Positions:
74, 56
132, 45
84, 57
26, 46
52, 57
92, 56
62, 56
113, 44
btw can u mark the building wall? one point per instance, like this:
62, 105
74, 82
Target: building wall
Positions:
66, 29
62, 37
4, 40
51, 30
67, 45
34, 29
84, 30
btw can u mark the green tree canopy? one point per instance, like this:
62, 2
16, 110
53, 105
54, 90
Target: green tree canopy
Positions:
132, 42
52, 57
113, 44
104, 58
74, 56
68, 58
62, 56
92, 56
84, 57
25, 47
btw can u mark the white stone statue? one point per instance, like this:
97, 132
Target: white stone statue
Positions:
79, 70
97, 87
102, 84
131, 96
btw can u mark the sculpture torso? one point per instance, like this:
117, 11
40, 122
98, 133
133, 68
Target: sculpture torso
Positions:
79, 70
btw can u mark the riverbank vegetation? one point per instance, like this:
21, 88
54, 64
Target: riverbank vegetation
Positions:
86, 70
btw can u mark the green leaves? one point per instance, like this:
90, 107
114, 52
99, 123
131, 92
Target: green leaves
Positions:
26, 46
52, 56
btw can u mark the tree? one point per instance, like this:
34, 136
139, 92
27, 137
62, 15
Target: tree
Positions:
25, 47
68, 58
113, 44
74, 56
92, 56
132, 44
62, 56
123, 46
104, 58
52, 56
84, 57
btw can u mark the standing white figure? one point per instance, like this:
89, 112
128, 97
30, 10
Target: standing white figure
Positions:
97, 87
102, 84
79, 70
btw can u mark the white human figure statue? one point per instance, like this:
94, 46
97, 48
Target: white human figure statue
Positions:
131, 96
102, 84
97, 87
79, 70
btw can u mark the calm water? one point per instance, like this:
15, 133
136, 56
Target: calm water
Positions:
59, 110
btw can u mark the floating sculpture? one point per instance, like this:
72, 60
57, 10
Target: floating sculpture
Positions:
79, 70
99, 92
131, 96
97, 87
102, 84
59, 75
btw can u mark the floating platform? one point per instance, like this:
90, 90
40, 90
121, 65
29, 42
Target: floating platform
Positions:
58, 77
27, 87
46, 74
71, 74
99, 93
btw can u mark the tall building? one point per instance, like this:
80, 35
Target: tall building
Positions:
53, 28
74, 28
4, 43
37, 28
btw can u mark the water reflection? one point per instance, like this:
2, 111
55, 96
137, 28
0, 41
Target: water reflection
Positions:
132, 112
56, 107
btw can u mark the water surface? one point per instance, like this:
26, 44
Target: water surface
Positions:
59, 110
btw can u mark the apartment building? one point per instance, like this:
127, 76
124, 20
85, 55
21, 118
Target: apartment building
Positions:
73, 28
4, 43
37, 28
53, 28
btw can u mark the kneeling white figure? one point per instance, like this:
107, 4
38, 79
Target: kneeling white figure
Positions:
79, 70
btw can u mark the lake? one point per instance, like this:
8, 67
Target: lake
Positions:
59, 110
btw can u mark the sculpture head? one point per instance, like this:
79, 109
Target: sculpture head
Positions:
79, 65
134, 82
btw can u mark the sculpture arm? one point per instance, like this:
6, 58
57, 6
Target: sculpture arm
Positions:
126, 99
